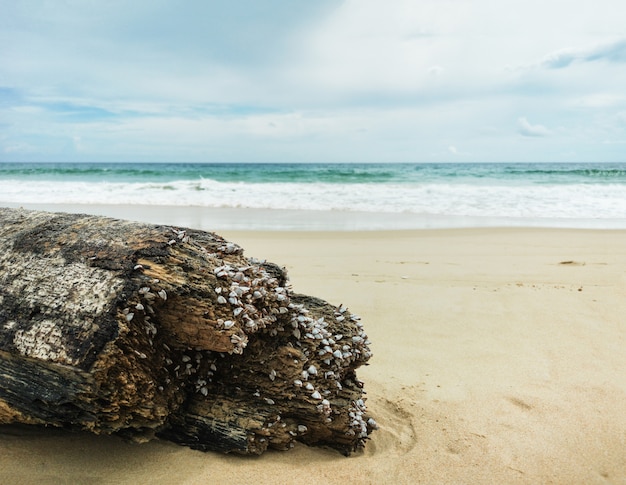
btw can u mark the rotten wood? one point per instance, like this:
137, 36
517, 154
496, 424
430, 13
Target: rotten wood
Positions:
144, 330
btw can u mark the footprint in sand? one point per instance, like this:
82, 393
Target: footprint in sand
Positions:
396, 429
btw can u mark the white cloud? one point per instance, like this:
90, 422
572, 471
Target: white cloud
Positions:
379, 80
614, 51
526, 129
560, 58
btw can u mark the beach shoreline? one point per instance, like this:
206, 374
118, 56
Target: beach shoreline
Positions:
498, 358
248, 219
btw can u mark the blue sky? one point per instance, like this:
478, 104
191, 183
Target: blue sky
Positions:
313, 81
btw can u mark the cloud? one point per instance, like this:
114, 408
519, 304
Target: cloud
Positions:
455, 152
526, 129
561, 58
610, 52
613, 52
339, 80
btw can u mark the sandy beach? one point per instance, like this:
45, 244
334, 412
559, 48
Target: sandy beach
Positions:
498, 358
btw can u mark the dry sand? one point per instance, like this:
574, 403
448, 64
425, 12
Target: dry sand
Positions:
499, 357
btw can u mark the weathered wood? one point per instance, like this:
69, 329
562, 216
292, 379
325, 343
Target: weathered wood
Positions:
120, 327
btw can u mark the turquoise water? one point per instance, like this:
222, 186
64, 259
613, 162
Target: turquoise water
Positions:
319, 173
509, 194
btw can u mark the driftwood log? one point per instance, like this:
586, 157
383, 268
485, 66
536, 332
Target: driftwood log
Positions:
144, 330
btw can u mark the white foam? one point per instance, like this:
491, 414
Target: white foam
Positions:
504, 201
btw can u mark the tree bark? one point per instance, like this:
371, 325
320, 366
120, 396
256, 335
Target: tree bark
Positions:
143, 330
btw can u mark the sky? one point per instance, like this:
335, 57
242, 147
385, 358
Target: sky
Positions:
313, 81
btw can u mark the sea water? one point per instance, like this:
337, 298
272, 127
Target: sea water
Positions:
372, 196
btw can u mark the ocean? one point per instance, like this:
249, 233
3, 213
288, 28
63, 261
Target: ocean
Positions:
341, 196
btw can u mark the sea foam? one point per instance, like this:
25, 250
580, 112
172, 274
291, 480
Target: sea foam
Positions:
507, 194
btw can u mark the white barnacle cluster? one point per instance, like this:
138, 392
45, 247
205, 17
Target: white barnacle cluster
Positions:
180, 236
324, 407
206, 362
306, 327
150, 296
328, 352
298, 430
358, 425
191, 363
146, 307
201, 387
332, 348
308, 332
251, 298
146, 311
230, 248
141, 310
240, 342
